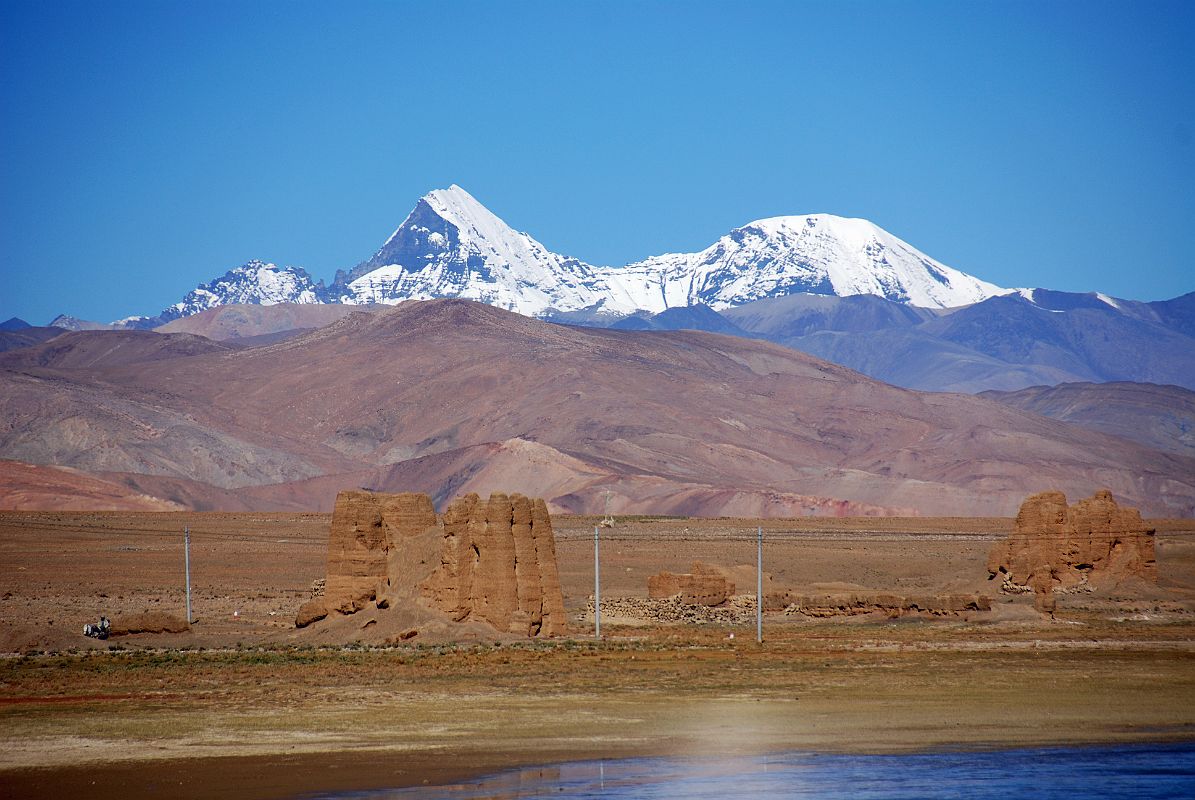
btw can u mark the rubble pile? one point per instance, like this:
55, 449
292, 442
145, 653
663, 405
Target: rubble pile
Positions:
737, 610
851, 603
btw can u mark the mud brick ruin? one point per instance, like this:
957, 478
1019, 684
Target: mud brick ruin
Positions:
704, 585
1053, 546
492, 561
867, 602
710, 586
499, 565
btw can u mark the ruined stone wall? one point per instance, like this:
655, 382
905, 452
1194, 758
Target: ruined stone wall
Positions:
493, 561
740, 609
367, 529
850, 603
704, 585
1094, 542
499, 565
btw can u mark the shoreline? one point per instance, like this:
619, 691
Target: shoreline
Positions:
261, 725
331, 772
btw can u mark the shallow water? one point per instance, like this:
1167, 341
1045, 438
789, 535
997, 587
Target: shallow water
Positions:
1134, 771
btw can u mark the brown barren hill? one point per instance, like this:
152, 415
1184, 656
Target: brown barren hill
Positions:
35, 486
99, 349
27, 337
239, 321
1162, 417
432, 393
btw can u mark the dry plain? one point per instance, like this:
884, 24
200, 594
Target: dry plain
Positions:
243, 703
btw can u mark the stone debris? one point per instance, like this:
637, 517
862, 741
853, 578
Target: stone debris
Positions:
672, 597
309, 612
492, 561
1059, 548
740, 609
851, 603
736, 610
703, 585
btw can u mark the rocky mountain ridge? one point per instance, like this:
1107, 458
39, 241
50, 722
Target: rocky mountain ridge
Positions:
840, 289
449, 396
451, 245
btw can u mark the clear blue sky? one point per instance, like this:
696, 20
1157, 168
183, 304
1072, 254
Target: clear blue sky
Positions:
148, 147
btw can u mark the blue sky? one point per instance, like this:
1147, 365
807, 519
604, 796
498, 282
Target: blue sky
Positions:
149, 147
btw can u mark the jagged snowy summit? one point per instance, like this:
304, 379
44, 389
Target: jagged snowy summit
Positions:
451, 245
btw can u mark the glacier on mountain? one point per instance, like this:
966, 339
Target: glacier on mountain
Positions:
450, 245
818, 254
453, 246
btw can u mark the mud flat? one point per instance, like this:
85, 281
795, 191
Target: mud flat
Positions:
268, 723
273, 717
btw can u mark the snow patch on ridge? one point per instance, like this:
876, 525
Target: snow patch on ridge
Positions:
1109, 300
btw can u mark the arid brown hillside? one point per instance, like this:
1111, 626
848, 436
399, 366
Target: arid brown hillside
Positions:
1162, 417
239, 321
451, 396
62, 489
98, 349
26, 337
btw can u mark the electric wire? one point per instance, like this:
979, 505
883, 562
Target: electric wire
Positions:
773, 536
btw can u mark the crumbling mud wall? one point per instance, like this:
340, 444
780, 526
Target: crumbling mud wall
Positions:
703, 585
740, 609
148, 622
1056, 547
851, 603
710, 588
488, 561
367, 529
499, 565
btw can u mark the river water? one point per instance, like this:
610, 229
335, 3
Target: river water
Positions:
1142, 772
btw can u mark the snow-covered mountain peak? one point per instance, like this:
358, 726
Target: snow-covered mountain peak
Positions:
457, 206
484, 232
453, 246
450, 245
794, 222
254, 282
821, 254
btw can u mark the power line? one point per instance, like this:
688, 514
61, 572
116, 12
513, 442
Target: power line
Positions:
745, 535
